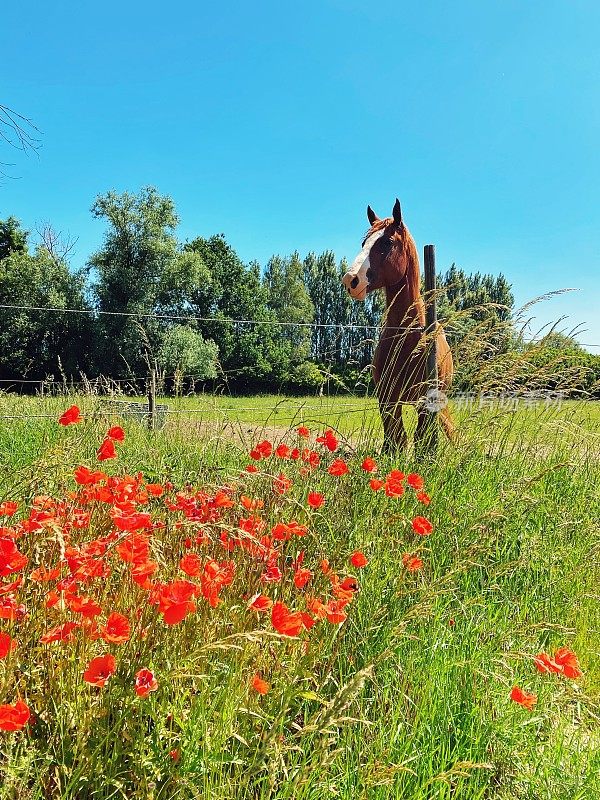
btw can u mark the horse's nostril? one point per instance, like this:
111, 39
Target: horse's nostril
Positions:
354, 282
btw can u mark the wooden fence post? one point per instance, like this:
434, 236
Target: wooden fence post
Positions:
432, 399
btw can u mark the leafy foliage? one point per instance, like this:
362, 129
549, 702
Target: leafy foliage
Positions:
184, 350
290, 327
41, 343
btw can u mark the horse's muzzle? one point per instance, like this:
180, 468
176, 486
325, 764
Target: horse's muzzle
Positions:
354, 287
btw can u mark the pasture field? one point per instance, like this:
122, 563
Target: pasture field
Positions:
400, 688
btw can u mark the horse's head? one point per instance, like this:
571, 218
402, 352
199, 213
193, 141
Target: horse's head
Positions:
388, 252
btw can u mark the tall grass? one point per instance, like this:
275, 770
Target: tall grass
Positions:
409, 698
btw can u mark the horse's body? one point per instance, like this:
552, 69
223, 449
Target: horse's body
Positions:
388, 260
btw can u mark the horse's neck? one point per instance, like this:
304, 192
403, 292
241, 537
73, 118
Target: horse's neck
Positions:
405, 306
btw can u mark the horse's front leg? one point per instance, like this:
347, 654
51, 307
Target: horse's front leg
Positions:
394, 432
425, 427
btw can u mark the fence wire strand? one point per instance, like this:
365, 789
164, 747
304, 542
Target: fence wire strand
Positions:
451, 330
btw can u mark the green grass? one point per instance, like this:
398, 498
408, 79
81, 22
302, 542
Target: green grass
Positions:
409, 697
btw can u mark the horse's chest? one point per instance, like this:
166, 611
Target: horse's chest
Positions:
399, 368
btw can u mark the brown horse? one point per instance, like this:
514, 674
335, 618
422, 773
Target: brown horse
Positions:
388, 260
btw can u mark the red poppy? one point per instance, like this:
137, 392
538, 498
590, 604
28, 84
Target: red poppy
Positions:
134, 548
191, 564
415, 480
376, 484
133, 521
523, 698
155, 489
285, 530
412, 562
545, 664
9, 588
260, 602
11, 559
117, 629
11, 610
141, 572
338, 468
568, 662
70, 416
301, 577
303, 431
62, 633
249, 503
145, 682
175, 601
262, 450
422, 526
260, 686
310, 457
117, 433
106, 450
423, 497
329, 440
222, 499
251, 468
394, 488
335, 611
282, 484
369, 465
358, 559
272, 573
283, 451
285, 621
99, 670
316, 607
348, 584
15, 717
174, 755
83, 605
315, 499
8, 508
6, 644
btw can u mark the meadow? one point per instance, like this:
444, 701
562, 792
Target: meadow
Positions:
319, 626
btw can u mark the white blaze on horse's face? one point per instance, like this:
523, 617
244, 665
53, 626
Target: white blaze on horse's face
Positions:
355, 280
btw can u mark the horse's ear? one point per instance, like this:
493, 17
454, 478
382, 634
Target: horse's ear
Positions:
371, 216
397, 212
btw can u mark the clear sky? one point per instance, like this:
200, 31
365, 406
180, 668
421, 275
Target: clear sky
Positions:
277, 122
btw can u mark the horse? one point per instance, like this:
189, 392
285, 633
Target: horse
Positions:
388, 260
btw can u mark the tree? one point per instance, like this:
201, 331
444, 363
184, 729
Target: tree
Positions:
184, 351
476, 311
292, 307
13, 239
35, 344
343, 339
233, 295
323, 285
141, 272
474, 298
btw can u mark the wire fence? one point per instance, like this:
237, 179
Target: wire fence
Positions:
448, 328
113, 387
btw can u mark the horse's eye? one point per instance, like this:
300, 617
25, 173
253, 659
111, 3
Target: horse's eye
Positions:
386, 245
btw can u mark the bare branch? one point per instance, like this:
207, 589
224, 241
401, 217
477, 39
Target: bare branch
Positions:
18, 131
60, 247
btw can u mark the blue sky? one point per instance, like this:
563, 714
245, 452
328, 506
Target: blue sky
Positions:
276, 123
